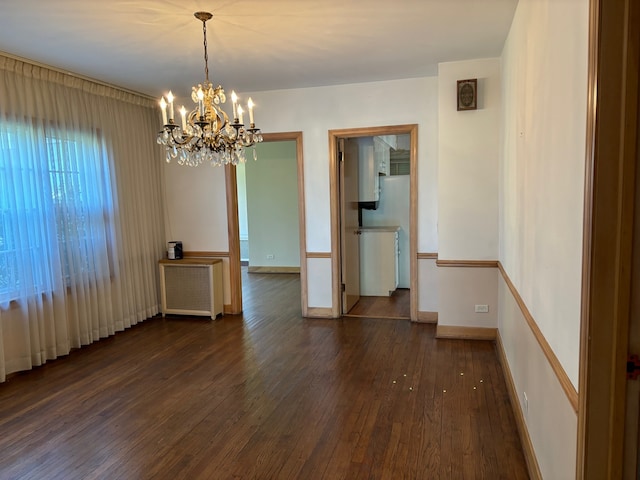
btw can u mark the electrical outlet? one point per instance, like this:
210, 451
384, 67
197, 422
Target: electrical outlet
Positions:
270, 256
526, 402
482, 308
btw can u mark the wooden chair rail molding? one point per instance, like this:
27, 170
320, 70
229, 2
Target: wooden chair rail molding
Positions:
269, 269
428, 256
468, 263
563, 378
318, 254
194, 254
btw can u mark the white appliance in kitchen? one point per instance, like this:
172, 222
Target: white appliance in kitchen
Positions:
379, 254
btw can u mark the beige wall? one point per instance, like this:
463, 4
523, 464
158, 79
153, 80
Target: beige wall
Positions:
550, 419
428, 281
461, 289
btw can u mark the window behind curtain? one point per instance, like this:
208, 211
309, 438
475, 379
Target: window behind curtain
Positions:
55, 206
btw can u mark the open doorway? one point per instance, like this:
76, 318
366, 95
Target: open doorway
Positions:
268, 209
233, 218
373, 188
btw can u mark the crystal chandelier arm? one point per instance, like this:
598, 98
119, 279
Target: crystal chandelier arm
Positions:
174, 136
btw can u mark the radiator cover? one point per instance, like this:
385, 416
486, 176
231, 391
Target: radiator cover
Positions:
191, 287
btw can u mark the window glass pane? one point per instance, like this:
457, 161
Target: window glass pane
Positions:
53, 208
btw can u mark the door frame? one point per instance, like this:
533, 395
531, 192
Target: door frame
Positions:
336, 254
348, 256
611, 159
233, 224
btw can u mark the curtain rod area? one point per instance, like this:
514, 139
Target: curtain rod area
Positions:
75, 75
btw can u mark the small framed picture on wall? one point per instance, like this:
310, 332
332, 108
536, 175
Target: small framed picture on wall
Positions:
468, 94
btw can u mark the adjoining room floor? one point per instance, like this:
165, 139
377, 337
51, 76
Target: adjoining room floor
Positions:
397, 306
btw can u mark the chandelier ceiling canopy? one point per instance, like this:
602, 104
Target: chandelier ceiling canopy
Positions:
205, 134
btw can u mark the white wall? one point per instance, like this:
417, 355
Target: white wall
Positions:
468, 153
272, 206
315, 111
468, 158
196, 210
542, 184
542, 189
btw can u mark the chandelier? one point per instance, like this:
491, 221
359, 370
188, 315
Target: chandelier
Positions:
205, 134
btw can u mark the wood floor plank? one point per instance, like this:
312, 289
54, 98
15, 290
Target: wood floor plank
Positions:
264, 395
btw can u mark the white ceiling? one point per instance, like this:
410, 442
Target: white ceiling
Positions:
150, 46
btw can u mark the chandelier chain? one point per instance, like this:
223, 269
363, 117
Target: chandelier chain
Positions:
206, 55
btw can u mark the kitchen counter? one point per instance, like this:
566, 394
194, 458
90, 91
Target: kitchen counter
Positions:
380, 229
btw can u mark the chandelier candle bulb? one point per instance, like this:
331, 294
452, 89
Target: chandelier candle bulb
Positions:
240, 112
200, 95
250, 106
170, 100
183, 114
163, 108
234, 99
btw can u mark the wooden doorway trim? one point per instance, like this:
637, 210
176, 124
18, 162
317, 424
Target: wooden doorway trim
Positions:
612, 153
233, 224
334, 136
233, 232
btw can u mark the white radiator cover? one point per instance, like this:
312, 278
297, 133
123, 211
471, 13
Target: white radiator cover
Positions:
191, 287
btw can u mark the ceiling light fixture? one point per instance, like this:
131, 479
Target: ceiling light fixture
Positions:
205, 134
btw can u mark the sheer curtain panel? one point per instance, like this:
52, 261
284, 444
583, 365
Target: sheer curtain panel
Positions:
81, 223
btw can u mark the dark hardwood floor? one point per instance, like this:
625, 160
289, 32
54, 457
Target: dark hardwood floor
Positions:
264, 395
396, 305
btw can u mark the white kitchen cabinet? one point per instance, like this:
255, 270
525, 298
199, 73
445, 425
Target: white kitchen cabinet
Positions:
382, 154
374, 160
368, 179
390, 140
378, 261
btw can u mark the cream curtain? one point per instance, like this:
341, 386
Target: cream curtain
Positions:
81, 214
